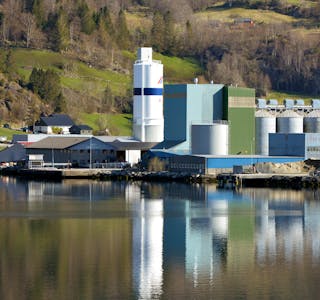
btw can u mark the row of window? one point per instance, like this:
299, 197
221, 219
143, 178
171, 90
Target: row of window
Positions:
313, 149
194, 166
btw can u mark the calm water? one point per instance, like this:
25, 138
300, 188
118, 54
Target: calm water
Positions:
91, 240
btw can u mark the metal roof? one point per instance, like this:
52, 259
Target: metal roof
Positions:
55, 120
13, 153
132, 145
56, 142
80, 127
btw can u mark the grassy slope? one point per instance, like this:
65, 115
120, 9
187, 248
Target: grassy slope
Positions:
257, 15
118, 124
8, 132
82, 78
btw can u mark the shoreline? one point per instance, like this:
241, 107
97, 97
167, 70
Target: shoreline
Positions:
223, 180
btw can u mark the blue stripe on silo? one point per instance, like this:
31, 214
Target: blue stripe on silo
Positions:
148, 91
153, 91
137, 91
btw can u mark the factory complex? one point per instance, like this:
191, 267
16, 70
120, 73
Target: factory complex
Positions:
206, 128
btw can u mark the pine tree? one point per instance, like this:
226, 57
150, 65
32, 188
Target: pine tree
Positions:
38, 11
60, 104
157, 32
87, 21
123, 37
169, 34
62, 30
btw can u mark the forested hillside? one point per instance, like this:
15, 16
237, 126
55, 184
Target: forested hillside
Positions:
76, 55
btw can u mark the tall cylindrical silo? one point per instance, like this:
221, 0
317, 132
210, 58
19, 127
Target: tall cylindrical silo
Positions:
265, 124
312, 122
148, 123
289, 122
210, 138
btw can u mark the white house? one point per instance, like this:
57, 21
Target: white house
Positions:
55, 123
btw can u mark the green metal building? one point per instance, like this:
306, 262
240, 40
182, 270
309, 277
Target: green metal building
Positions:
239, 110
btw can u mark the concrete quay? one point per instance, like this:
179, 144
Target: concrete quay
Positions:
57, 174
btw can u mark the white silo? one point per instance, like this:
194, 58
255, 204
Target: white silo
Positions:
210, 138
289, 122
265, 124
148, 97
312, 122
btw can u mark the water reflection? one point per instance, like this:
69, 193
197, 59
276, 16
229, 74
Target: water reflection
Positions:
100, 240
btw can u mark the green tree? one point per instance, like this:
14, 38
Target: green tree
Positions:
103, 17
107, 101
47, 85
123, 36
62, 30
86, 18
158, 32
60, 104
39, 13
8, 65
169, 34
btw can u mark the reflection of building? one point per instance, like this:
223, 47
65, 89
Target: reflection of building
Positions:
312, 228
147, 242
206, 242
279, 226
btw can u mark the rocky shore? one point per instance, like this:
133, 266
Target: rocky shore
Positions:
161, 176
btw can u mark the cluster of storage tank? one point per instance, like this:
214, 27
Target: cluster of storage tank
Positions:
288, 121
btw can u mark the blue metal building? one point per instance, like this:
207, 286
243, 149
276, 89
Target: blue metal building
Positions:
185, 104
306, 145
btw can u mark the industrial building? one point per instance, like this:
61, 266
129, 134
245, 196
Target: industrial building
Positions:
291, 129
210, 119
194, 127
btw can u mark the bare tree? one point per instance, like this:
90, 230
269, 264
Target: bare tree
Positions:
29, 27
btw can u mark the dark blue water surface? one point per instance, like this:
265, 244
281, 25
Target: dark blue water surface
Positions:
80, 239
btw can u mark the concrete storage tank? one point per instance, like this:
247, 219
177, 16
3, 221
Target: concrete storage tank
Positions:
289, 122
265, 124
148, 122
311, 122
210, 138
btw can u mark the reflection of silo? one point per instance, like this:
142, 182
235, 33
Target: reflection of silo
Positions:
312, 122
289, 122
265, 124
210, 138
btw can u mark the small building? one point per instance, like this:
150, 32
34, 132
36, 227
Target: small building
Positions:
13, 154
77, 151
80, 129
55, 123
214, 164
131, 151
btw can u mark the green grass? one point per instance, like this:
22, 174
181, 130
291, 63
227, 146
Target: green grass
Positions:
81, 77
258, 16
9, 132
118, 124
176, 70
